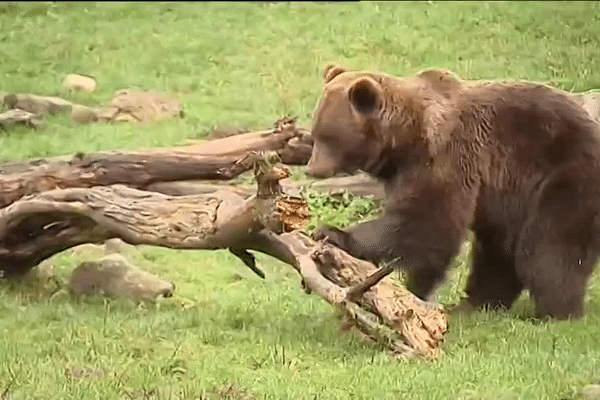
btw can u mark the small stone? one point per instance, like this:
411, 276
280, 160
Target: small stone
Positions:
83, 115
80, 372
79, 82
591, 392
19, 117
114, 276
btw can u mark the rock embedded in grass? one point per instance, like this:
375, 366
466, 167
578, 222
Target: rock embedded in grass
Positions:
79, 82
114, 276
590, 392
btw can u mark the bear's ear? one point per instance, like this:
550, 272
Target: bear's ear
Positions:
442, 81
365, 95
331, 71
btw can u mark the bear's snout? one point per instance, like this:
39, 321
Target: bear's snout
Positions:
315, 170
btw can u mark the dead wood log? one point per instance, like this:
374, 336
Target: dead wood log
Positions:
293, 145
38, 226
220, 159
359, 184
136, 170
191, 187
411, 327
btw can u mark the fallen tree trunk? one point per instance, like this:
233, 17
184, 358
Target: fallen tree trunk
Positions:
294, 145
136, 170
38, 226
221, 159
187, 170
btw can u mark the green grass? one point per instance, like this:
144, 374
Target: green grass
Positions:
248, 64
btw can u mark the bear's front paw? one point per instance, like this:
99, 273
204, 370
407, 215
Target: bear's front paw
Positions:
332, 235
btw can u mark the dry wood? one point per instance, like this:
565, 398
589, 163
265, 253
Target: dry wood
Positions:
359, 184
293, 144
38, 226
220, 159
411, 327
198, 186
136, 170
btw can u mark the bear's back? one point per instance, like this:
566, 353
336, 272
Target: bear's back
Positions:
535, 123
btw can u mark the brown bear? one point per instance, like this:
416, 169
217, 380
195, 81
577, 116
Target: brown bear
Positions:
517, 163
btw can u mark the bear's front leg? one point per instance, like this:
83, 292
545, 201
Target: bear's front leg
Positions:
333, 235
371, 240
420, 240
366, 250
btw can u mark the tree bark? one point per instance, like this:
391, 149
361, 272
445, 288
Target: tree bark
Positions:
293, 145
38, 226
221, 159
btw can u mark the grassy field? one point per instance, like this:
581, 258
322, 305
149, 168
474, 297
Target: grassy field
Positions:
248, 64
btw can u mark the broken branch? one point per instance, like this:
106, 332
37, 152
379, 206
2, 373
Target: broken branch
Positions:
220, 159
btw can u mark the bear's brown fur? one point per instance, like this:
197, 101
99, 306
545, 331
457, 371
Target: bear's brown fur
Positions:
517, 163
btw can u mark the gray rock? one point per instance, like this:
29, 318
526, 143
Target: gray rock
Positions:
115, 277
590, 392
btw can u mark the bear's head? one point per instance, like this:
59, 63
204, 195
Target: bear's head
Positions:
363, 120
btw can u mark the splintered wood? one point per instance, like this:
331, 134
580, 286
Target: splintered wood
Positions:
293, 213
422, 324
387, 313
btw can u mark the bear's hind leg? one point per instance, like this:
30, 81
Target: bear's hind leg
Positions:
493, 282
555, 257
556, 274
559, 245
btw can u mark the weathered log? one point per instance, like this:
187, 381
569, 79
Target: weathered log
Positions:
136, 170
293, 145
359, 184
38, 226
191, 187
221, 159
411, 327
